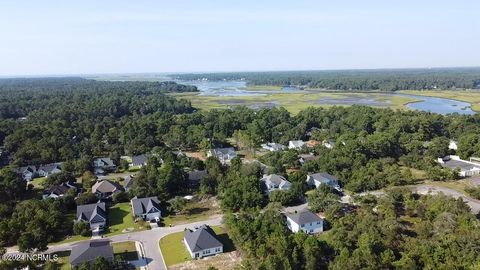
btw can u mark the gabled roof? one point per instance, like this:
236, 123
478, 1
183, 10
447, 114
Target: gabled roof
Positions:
296, 143
223, 151
107, 162
140, 160
128, 182
303, 217
106, 186
144, 205
274, 146
94, 212
202, 238
57, 190
322, 176
89, 251
24, 169
196, 175
50, 167
276, 180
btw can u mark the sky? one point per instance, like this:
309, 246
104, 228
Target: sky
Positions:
115, 36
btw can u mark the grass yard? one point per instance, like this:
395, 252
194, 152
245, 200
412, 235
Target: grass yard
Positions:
120, 220
194, 211
126, 250
471, 96
174, 250
38, 182
63, 262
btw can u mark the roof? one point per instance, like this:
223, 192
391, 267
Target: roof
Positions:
202, 238
140, 160
144, 205
296, 143
94, 212
107, 162
274, 146
31, 169
106, 186
197, 175
89, 251
57, 190
50, 167
223, 151
303, 217
322, 176
277, 180
128, 182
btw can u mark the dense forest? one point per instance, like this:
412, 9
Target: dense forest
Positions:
360, 80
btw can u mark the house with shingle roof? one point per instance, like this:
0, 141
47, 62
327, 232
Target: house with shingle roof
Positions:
305, 221
323, 178
224, 155
105, 189
195, 176
49, 169
55, 191
273, 147
146, 208
103, 165
87, 252
295, 144
27, 172
95, 214
273, 182
202, 242
139, 161
128, 182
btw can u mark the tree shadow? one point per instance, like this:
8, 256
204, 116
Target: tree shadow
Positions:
196, 210
116, 216
228, 245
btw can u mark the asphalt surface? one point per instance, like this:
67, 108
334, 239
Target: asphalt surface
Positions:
148, 239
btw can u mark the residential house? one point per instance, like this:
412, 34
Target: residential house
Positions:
95, 214
128, 182
306, 157
323, 178
465, 168
194, 177
202, 242
105, 189
146, 208
274, 182
56, 191
27, 172
87, 252
305, 221
103, 165
224, 155
139, 161
295, 144
328, 143
49, 169
452, 145
273, 147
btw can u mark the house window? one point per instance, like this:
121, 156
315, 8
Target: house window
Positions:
311, 230
303, 225
217, 249
318, 222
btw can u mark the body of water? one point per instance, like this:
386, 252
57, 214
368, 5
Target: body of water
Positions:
239, 88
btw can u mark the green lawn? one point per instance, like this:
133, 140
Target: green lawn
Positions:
63, 262
120, 220
126, 250
38, 182
174, 250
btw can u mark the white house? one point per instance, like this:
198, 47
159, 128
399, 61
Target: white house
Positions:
452, 145
49, 169
273, 147
274, 182
202, 242
323, 178
146, 208
304, 221
224, 155
328, 143
295, 144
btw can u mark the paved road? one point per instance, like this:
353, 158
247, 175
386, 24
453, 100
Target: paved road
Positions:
149, 240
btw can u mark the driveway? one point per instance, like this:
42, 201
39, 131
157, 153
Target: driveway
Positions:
148, 239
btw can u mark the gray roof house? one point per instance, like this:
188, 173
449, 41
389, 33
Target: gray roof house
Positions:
105, 189
323, 178
146, 208
128, 182
89, 251
103, 164
305, 221
139, 161
95, 214
49, 169
274, 182
27, 172
222, 154
202, 242
273, 147
195, 176
56, 191
306, 157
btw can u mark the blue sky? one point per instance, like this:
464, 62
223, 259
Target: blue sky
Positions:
89, 37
